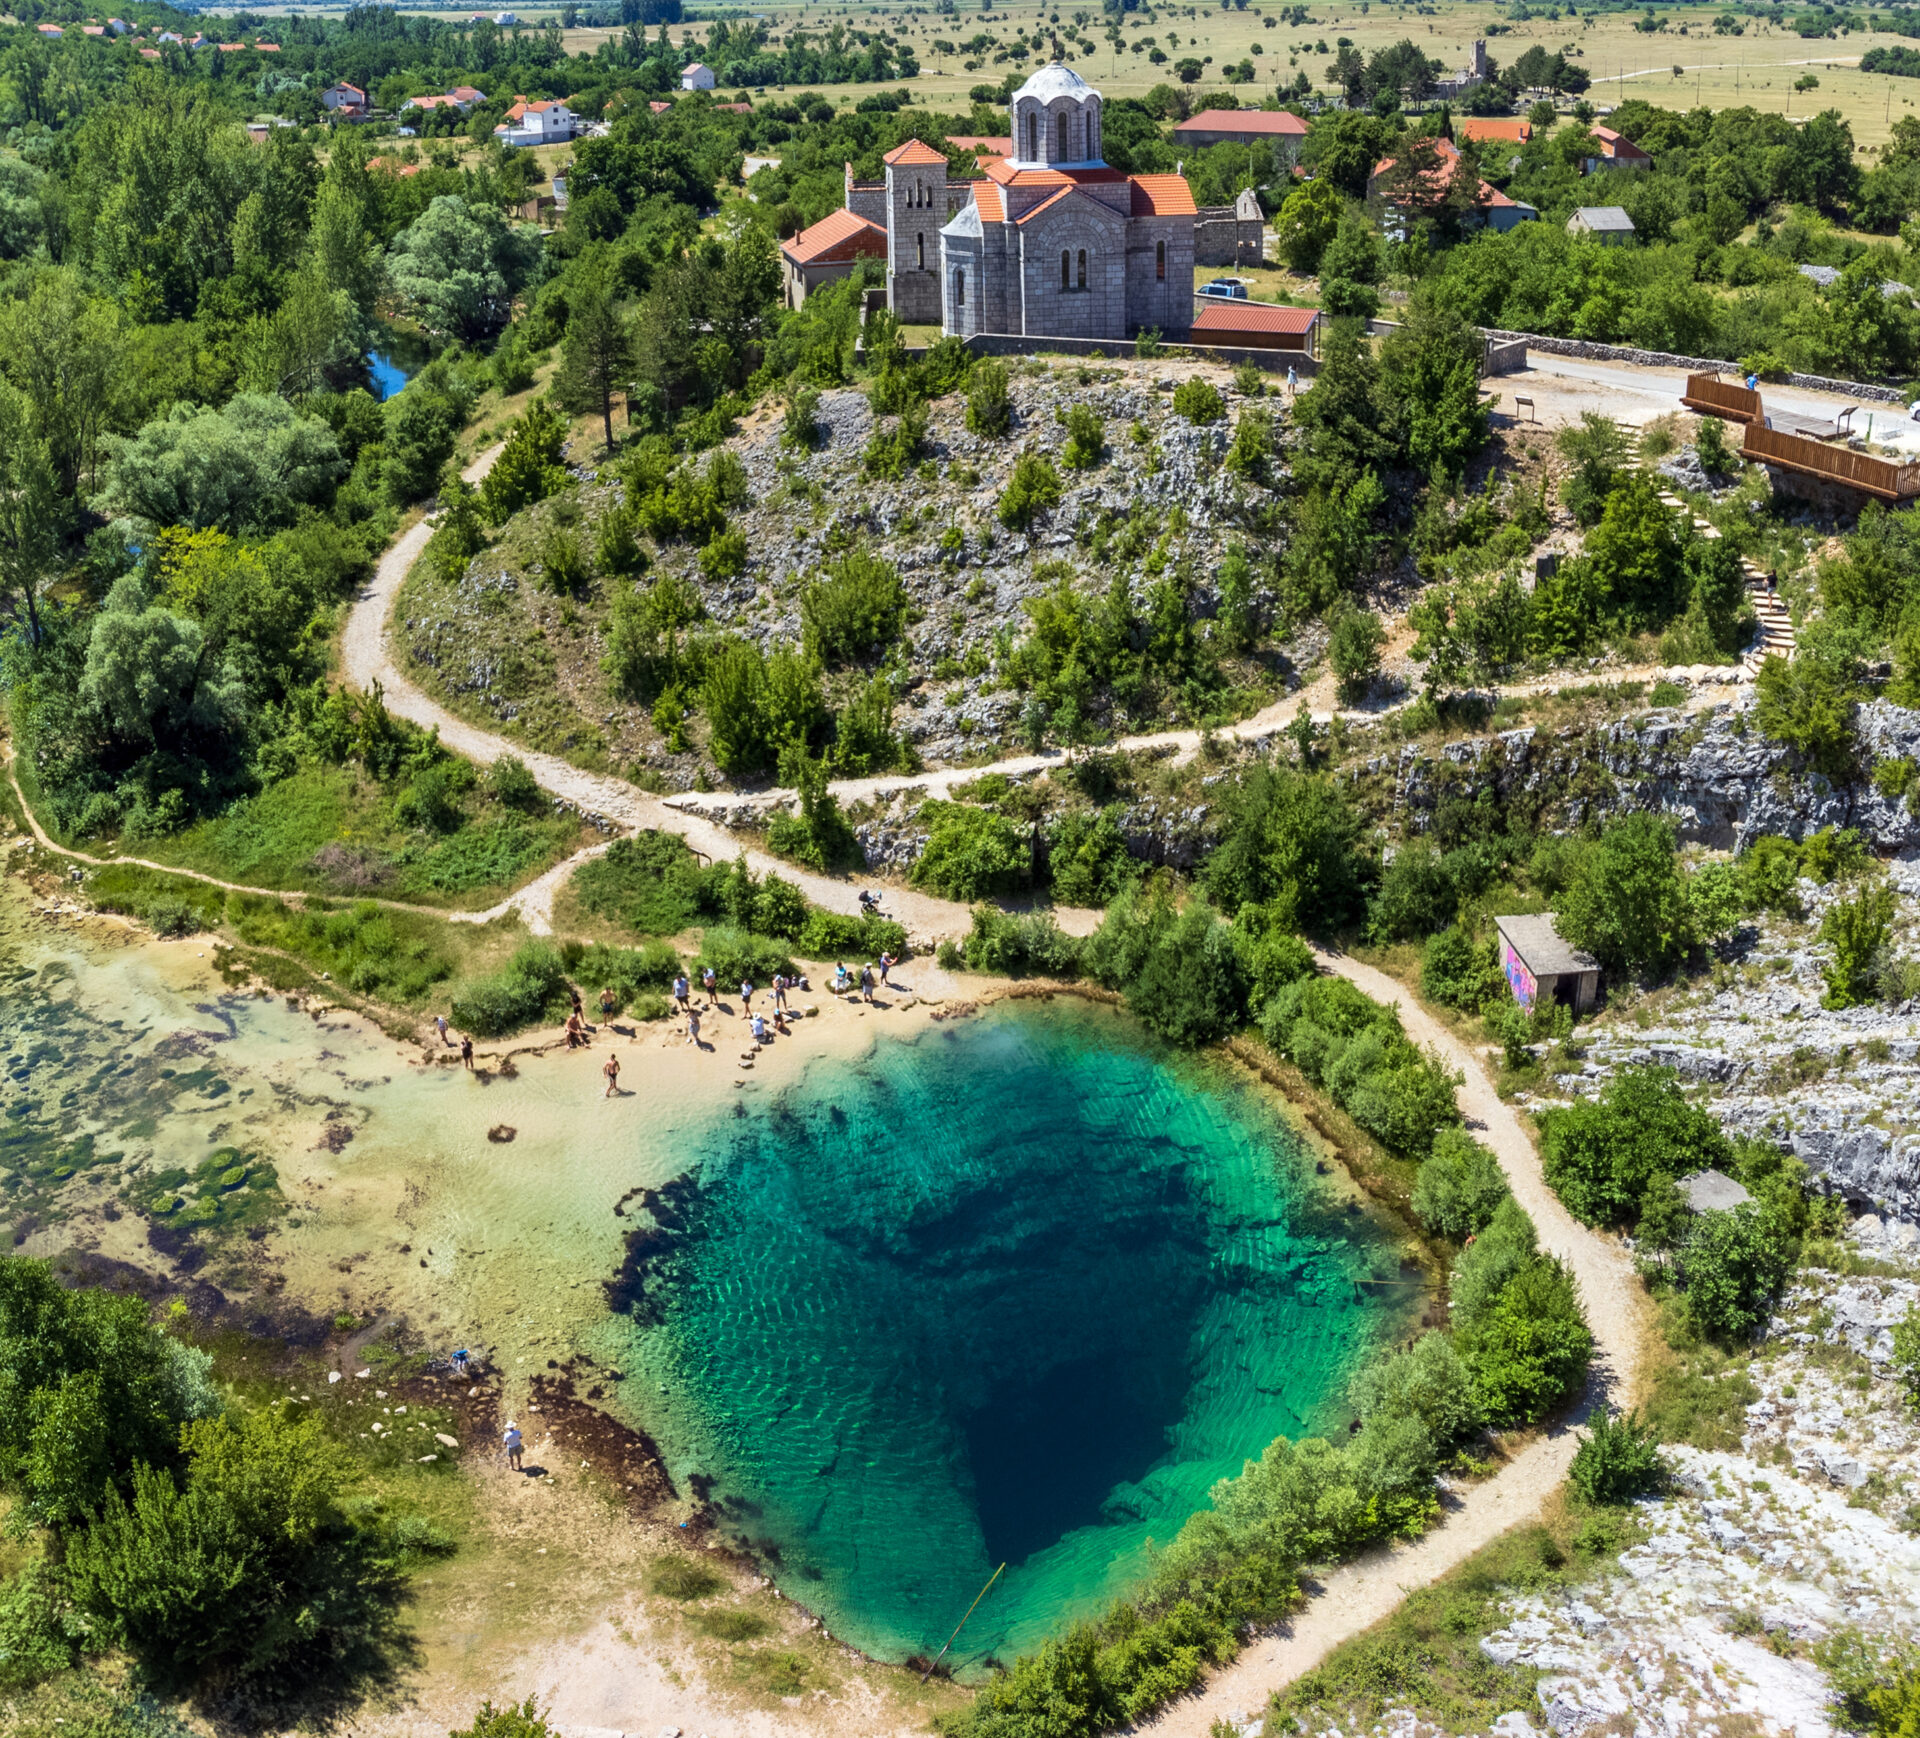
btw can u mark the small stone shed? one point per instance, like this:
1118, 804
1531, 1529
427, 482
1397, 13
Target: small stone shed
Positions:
1712, 1191
1540, 966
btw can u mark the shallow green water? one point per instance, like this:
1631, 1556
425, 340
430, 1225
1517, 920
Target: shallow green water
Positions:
1021, 1291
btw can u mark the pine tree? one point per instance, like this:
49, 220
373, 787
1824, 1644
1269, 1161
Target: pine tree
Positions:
597, 359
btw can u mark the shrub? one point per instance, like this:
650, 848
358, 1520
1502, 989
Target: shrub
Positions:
1710, 445
525, 1721
1807, 703
248, 1563
1428, 1382
1600, 1157
830, 935
800, 431
1014, 946
1251, 454
1293, 840
1733, 1264
40, 1634
1416, 895
1483, 1269
513, 786
1856, 929
529, 988
563, 569
1459, 972
1528, 1351
990, 400
971, 852
1086, 437
1354, 652
1906, 1355
1619, 1459
629, 972
725, 554
857, 610
1460, 1186
1627, 903
1087, 857
893, 452
738, 957
529, 467
1199, 400
1034, 488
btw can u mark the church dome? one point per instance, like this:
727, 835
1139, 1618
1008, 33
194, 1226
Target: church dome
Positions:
1054, 81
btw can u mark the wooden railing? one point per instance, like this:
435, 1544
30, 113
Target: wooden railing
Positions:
1712, 396
1880, 478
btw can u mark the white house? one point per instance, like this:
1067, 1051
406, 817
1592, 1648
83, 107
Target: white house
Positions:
544, 123
503, 19
698, 77
344, 99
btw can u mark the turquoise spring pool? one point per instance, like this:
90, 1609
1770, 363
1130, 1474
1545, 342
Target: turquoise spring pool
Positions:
1018, 1291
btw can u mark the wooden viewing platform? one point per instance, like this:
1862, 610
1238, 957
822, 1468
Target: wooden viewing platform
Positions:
1881, 478
1709, 395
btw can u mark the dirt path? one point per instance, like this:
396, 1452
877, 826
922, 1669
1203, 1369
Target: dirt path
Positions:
1360, 1594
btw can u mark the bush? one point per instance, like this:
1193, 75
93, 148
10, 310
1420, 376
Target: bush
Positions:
737, 957
1354, 652
1906, 1355
1710, 445
1416, 896
972, 853
529, 988
1733, 1264
857, 610
1460, 1186
800, 431
1014, 947
1856, 929
1199, 400
1528, 1350
40, 1633
829, 935
1459, 972
1086, 437
525, 1721
1599, 1158
725, 554
1087, 857
1427, 1382
529, 467
990, 400
893, 452
1033, 489
629, 972
248, 1564
563, 568
1627, 903
1619, 1459
1295, 842
1807, 703
513, 786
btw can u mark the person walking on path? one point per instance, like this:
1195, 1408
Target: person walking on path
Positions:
611, 1069
511, 1441
466, 1050
440, 1020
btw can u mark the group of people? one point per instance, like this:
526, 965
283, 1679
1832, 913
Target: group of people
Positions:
446, 1038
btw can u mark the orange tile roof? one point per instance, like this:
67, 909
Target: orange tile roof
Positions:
993, 146
1274, 123
1162, 196
987, 199
1223, 317
1004, 172
839, 236
1513, 128
914, 152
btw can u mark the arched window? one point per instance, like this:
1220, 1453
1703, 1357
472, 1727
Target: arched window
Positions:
960, 289
922, 240
1033, 137
1160, 260
1083, 268
1063, 269
1060, 156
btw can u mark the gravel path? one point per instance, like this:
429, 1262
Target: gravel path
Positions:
1360, 1594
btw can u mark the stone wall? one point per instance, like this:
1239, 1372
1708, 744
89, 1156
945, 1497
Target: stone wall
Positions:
1222, 239
1577, 347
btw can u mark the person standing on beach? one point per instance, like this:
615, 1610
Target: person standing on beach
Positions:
511, 1441
711, 985
886, 965
611, 1069
746, 997
608, 1003
693, 1027
681, 999
866, 983
466, 1050
779, 991
576, 1035
440, 1020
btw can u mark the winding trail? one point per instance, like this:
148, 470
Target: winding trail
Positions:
1359, 1594
1352, 1597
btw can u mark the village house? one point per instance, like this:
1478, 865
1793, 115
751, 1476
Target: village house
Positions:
1607, 224
348, 101
1491, 209
1616, 152
827, 251
1273, 127
542, 123
698, 77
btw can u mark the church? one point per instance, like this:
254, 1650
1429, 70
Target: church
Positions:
1047, 242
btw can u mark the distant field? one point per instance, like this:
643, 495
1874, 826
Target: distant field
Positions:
1757, 69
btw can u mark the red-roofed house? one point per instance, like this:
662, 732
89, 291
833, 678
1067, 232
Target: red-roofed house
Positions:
542, 123
826, 251
1507, 129
348, 101
461, 97
698, 77
1491, 209
1273, 127
1257, 326
1616, 152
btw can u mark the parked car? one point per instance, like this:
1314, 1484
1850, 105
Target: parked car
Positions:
1232, 289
